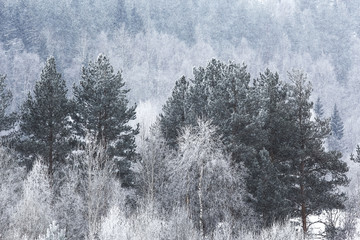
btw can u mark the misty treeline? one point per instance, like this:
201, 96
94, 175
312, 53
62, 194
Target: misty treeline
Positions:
229, 157
155, 42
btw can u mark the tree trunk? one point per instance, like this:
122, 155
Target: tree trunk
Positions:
303, 210
201, 225
51, 142
302, 164
302, 196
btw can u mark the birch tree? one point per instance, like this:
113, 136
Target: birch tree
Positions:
34, 211
207, 185
153, 167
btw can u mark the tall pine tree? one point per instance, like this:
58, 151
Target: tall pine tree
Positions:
175, 112
312, 174
270, 96
45, 119
102, 110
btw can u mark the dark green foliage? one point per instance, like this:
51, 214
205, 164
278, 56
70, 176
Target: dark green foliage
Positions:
102, 110
175, 112
270, 191
219, 92
334, 233
269, 98
227, 87
300, 169
268, 128
313, 174
45, 119
271, 95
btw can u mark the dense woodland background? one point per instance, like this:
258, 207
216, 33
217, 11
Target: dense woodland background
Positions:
153, 44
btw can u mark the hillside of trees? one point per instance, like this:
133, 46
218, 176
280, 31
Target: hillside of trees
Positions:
156, 42
227, 156
218, 120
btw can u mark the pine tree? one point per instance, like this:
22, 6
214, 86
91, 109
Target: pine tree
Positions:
228, 103
199, 93
268, 128
270, 95
175, 113
312, 174
220, 92
319, 109
337, 131
337, 125
269, 191
102, 110
247, 118
357, 157
217, 92
45, 119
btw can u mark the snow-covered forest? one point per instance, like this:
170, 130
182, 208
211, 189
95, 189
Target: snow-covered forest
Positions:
179, 119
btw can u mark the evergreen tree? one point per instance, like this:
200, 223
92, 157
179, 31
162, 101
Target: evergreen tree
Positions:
268, 128
312, 174
319, 109
228, 103
199, 92
247, 119
337, 131
175, 113
220, 92
269, 191
270, 96
357, 158
337, 125
102, 110
45, 119
6, 120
